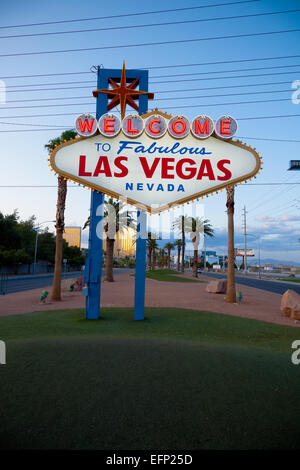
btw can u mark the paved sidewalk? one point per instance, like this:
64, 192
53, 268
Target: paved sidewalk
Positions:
256, 304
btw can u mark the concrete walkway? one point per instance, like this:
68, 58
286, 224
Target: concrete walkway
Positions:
256, 304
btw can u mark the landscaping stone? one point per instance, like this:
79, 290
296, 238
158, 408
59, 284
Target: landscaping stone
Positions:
217, 287
290, 304
66, 283
79, 283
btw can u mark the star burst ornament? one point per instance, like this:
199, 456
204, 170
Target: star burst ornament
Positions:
123, 94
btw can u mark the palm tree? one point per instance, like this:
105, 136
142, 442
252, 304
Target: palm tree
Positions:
149, 255
178, 243
149, 246
169, 247
179, 225
60, 216
152, 248
151, 243
230, 293
115, 220
162, 260
197, 225
154, 251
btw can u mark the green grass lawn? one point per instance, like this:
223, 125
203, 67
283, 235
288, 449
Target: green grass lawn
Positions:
167, 275
288, 279
181, 379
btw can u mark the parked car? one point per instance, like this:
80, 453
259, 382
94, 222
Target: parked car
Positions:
199, 270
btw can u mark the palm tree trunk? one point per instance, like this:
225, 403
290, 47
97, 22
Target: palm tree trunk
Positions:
183, 245
195, 264
230, 293
169, 258
60, 225
153, 259
149, 257
109, 259
178, 258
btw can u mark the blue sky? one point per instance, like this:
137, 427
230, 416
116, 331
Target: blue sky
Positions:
273, 211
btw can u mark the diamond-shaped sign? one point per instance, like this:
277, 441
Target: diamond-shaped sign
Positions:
155, 173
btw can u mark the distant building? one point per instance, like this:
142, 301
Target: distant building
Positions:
72, 235
124, 244
268, 267
211, 257
295, 270
285, 266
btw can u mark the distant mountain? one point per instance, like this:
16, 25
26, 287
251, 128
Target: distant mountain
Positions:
273, 261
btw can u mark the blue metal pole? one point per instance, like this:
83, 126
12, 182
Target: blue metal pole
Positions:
93, 268
141, 242
140, 270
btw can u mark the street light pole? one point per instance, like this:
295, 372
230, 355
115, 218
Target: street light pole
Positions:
258, 257
37, 228
35, 249
245, 240
258, 240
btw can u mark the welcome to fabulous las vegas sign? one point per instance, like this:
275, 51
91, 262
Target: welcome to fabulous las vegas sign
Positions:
155, 161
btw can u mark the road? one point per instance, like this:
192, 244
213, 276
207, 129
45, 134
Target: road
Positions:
27, 282
21, 283
271, 286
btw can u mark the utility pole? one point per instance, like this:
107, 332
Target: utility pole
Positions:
245, 238
259, 257
230, 292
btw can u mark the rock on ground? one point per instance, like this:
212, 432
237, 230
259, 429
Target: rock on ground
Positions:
217, 287
290, 304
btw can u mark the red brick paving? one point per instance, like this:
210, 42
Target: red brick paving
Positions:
256, 303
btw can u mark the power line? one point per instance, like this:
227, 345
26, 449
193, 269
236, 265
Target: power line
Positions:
270, 200
272, 140
232, 103
169, 91
160, 99
164, 81
74, 114
160, 66
34, 186
226, 71
160, 43
127, 14
53, 83
167, 23
222, 94
28, 124
226, 78
269, 117
164, 76
51, 127
267, 184
279, 208
283, 207
259, 203
35, 130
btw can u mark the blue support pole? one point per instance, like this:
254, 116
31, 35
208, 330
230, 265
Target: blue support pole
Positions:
93, 269
141, 242
140, 270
